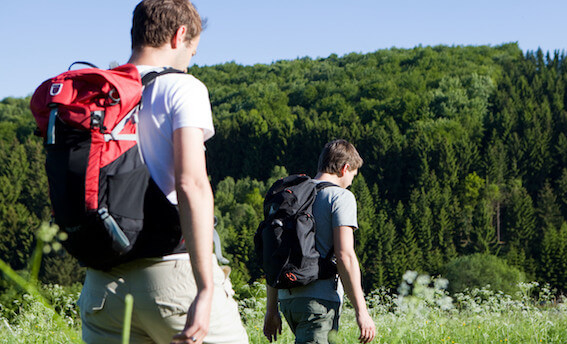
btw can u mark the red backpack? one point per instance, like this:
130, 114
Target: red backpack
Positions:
98, 182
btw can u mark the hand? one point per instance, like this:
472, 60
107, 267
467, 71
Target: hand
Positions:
198, 317
366, 326
272, 325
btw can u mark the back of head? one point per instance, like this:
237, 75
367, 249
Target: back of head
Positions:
156, 21
336, 154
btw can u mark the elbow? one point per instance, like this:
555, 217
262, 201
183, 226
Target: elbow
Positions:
186, 185
183, 184
345, 258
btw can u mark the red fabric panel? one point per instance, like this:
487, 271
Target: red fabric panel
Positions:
93, 171
113, 150
79, 92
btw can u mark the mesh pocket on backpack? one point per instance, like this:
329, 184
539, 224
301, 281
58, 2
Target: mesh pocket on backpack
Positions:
126, 193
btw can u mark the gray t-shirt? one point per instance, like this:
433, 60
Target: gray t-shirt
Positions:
333, 207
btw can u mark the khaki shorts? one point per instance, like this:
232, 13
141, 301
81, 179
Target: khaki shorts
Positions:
311, 320
163, 292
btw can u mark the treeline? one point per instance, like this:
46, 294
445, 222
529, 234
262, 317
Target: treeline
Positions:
465, 151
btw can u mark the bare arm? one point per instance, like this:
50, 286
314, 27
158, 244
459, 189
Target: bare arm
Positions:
195, 200
349, 270
272, 320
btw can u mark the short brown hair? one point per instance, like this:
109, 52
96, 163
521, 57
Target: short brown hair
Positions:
336, 154
155, 22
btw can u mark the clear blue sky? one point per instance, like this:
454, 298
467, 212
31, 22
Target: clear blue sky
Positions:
40, 38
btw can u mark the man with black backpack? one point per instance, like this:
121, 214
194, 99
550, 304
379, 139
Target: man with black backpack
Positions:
182, 296
312, 311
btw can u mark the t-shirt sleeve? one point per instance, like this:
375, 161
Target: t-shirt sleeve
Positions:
343, 210
190, 106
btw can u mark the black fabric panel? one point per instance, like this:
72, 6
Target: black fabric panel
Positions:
65, 165
123, 184
162, 230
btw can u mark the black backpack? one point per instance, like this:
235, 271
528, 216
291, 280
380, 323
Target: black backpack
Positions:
285, 241
101, 192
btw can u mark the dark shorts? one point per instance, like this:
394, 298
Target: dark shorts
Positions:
311, 320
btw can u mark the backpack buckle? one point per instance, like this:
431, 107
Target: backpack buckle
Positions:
291, 276
114, 96
97, 120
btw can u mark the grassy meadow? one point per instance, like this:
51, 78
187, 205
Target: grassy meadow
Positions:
420, 311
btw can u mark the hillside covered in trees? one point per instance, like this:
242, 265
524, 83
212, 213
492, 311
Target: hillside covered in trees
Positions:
465, 151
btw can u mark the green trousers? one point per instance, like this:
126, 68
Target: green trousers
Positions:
311, 320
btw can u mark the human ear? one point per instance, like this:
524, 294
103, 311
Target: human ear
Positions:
179, 36
344, 169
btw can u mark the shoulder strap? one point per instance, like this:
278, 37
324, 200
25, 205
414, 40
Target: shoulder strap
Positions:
151, 76
328, 261
147, 79
322, 185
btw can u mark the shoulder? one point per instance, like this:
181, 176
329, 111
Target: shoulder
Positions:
336, 196
345, 196
185, 82
174, 82
336, 192
182, 90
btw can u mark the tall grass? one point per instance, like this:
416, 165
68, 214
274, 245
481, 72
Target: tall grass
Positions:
420, 312
33, 319
425, 314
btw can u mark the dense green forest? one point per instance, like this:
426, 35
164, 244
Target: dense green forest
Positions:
465, 151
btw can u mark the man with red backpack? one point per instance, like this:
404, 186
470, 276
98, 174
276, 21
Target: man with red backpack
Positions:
182, 296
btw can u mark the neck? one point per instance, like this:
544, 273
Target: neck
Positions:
328, 177
148, 56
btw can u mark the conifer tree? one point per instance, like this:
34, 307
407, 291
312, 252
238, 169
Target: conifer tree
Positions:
17, 224
366, 215
561, 190
561, 258
548, 211
550, 257
519, 224
420, 214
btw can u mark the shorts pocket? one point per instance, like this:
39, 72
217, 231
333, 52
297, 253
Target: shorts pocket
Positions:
92, 302
221, 275
173, 306
316, 308
227, 284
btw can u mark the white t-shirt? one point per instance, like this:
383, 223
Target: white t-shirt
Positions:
171, 102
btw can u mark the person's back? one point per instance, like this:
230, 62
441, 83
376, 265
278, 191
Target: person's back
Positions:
182, 296
333, 206
313, 311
